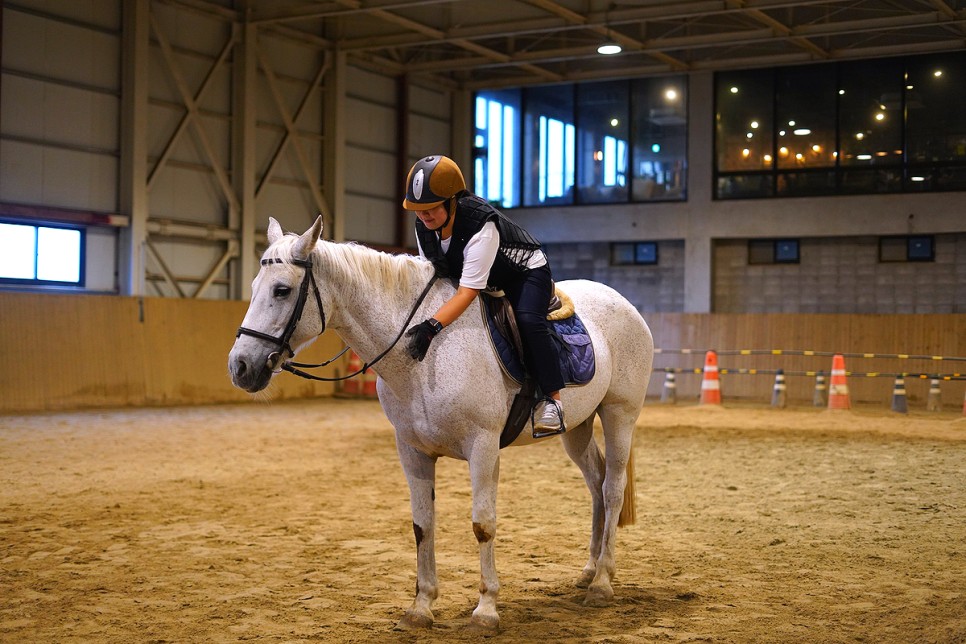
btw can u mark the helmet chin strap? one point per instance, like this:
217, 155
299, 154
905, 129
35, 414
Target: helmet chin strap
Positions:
449, 215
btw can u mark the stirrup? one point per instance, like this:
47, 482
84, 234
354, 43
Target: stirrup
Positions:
544, 433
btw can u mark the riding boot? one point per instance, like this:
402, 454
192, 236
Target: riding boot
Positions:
551, 420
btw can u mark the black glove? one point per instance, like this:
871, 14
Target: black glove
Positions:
441, 266
420, 336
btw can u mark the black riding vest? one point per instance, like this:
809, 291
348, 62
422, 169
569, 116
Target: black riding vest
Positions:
472, 212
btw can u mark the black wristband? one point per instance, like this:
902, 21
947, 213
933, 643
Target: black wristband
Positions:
436, 325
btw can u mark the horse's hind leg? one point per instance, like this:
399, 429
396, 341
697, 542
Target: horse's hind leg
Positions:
420, 473
618, 421
582, 449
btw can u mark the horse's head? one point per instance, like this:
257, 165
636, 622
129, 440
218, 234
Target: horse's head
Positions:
286, 310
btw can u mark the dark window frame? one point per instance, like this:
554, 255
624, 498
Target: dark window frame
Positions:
912, 254
766, 252
641, 253
35, 282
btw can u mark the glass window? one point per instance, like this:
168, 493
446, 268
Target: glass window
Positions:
805, 99
936, 122
41, 254
902, 248
549, 146
744, 130
870, 126
773, 251
854, 127
660, 145
496, 147
603, 131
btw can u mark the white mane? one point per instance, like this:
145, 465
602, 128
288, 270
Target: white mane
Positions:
348, 261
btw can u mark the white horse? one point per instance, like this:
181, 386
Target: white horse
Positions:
455, 402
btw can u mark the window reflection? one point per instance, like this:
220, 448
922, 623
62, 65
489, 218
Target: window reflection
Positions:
602, 142
660, 109
853, 127
548, 146
602, 136
496, 147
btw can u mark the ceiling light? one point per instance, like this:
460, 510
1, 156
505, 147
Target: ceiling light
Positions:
917, 178
734, 90
609, 49
671, 94
802, 131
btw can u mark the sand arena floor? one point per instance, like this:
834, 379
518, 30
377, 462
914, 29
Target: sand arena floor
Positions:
290, 522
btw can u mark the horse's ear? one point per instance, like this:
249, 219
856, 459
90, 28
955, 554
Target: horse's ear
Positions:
274, 231
308, 240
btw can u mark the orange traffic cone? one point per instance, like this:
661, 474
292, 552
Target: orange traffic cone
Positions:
352, 386
838, 391
369, 383
710, 385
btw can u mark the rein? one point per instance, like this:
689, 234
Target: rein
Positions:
282, 342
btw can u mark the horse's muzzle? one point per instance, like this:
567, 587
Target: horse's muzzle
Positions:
248, 376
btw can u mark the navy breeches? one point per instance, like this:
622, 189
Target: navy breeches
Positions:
530, 298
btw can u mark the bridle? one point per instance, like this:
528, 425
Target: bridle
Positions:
277, 362
282, 341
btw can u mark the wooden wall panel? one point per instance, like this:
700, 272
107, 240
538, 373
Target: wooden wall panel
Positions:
73, 351
79, 351
891, 334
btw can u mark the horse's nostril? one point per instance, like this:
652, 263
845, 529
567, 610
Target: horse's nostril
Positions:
240, 367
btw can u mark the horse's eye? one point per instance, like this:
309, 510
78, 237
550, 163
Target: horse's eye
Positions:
281, 291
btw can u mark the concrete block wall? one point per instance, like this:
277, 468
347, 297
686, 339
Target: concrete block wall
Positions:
841, 275
650, 288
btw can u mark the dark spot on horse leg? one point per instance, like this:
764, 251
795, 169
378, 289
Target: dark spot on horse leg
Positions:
481, 535
432, 493
419, 534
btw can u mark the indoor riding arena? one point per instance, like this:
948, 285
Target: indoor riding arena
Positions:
775, 186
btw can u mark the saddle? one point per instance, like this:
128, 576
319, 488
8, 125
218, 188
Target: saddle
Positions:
577, 361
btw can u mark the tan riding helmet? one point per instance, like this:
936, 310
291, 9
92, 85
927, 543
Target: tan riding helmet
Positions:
432, 181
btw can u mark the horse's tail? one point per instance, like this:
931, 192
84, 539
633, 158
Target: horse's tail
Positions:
628, 513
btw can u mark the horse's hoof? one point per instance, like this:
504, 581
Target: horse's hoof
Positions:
413, 620
599, 596
485, 624
587, 576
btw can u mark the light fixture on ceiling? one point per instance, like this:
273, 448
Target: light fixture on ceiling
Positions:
610, 46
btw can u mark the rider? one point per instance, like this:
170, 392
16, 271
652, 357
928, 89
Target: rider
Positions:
467, 238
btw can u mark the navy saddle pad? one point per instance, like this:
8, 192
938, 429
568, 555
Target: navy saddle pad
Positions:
577, 362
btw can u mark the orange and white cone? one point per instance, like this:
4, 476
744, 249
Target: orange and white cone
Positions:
369, 383
352, 386
838, 391
711, 385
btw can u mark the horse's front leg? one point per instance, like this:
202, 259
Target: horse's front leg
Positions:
484, 462
420, 471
